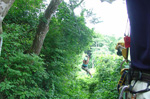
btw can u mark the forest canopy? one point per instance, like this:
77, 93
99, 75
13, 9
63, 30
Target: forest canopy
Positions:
54, 72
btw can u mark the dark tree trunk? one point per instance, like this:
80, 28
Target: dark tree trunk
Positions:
43, 27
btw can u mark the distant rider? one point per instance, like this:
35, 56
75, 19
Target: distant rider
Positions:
85, 65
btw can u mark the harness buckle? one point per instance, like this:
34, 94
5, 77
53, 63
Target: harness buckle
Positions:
133, 74
139, 75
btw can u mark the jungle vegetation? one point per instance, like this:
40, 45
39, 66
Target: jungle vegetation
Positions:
55, 72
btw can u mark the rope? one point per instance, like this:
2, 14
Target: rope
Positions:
1, 42
122, 91
127, 29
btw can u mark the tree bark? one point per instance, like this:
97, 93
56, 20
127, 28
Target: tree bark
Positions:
4, 7
43, 26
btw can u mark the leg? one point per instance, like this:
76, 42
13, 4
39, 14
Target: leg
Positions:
139, 16
86, 69
88, 72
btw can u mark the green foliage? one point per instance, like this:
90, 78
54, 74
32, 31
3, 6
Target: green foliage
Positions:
73, 29
106, 77
55, 73
21, 76
107, 67
16, 37
25, 12
67, 38
104, 44
63, 39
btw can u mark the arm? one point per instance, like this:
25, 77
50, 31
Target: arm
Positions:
88, 59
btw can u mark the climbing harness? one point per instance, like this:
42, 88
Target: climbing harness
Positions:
129, 74
123, 48
127, 87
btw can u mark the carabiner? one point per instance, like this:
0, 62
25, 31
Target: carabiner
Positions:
122, 91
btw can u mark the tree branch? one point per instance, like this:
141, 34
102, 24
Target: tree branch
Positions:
78, 4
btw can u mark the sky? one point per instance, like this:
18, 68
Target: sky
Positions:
113, 16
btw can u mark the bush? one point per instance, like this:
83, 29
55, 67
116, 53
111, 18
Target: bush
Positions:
21, 76
107, 74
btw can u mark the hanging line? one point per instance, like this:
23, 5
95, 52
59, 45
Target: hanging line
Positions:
127, 39
127, 29
1, 42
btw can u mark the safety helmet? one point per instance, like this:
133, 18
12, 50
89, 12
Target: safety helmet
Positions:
85, 58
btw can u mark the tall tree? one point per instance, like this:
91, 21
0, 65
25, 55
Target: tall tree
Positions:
43, 26
4, 7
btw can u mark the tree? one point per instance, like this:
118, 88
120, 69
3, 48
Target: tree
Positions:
110, 1
43, 26
4, 7
62, 45
25, 76
25, 12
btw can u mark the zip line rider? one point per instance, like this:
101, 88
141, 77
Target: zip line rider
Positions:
139, 17
85, 65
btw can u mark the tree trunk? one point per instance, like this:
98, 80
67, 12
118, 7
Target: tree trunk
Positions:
43, 26
4, 7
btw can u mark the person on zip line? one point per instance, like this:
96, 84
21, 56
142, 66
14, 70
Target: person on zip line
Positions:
139, 72
85, 65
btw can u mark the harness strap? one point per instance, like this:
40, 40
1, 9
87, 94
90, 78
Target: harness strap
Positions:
122, 79
139, 75
141, 91
142, 76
